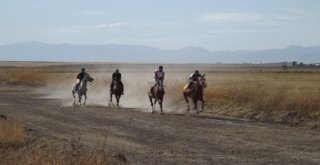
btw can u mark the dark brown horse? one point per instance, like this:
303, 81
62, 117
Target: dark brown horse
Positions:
117, 91
196, 93
157, 94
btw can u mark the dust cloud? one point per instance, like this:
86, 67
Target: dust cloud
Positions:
137, 81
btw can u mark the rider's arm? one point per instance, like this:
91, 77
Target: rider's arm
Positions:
155, 75
78, 76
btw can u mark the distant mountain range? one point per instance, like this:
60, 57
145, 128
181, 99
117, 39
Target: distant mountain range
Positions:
39, 51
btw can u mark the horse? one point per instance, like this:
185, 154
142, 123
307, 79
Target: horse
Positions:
82, 90
116, 91
156, 93
196, 93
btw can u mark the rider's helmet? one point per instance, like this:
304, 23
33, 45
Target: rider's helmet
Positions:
160, 67
196, 72
83, 69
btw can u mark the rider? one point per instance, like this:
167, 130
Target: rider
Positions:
158, 76
80, 77
193, 77
116, 76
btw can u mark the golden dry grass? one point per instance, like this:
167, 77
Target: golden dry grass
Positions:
15, 150
12, 133
23, 77
275, 96
52, 155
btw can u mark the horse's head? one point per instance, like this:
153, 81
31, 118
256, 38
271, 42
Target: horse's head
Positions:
160, 85
202, 81
87, 77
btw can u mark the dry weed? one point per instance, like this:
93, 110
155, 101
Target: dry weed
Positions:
23, 77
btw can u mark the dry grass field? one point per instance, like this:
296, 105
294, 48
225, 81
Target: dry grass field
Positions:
16, 147
271, 96
266, 94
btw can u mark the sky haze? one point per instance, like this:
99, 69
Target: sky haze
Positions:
212, 24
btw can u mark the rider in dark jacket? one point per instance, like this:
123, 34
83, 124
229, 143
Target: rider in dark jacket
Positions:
193, 77
80, 77
116, 76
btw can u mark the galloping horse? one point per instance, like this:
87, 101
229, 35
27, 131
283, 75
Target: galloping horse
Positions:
157, 94
82, 90
116, 91
196, 93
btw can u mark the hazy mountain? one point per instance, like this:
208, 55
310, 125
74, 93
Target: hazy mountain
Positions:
38, 51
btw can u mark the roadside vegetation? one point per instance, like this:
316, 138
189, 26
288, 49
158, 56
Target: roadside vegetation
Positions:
17, 146
23, 76
273, 96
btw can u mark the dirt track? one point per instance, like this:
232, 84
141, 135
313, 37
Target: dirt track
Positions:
146, 138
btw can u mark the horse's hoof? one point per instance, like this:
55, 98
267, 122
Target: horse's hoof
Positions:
162, 113
201, 110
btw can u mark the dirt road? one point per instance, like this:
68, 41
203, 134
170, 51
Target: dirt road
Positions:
146, 138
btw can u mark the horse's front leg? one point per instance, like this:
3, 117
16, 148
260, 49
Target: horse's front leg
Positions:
110, 96
202, 105
150, 98
79, 97
118, 99
195, 101
85, 99
154, 105
74, 98
160, 103
186, 98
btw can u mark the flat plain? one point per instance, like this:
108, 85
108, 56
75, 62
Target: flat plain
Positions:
254, 114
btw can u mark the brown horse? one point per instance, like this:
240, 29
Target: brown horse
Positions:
196, 93
116, 91
157, 94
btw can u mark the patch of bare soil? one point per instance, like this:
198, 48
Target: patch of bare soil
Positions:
145, 138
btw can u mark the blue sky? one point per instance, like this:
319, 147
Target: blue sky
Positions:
165, 24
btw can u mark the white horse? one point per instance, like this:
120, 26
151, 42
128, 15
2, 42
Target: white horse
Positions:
82, 90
